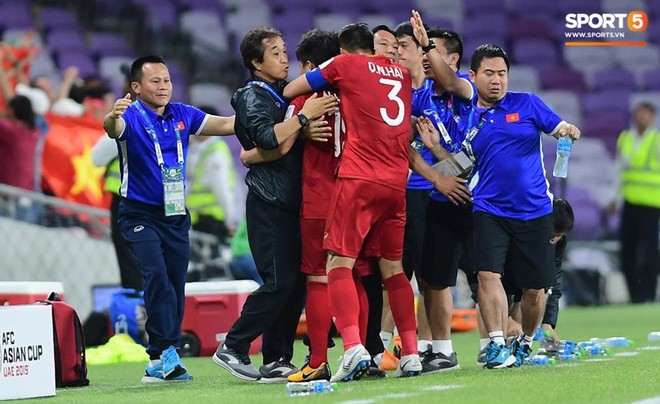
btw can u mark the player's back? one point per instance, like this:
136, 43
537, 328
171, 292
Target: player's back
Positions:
375, 101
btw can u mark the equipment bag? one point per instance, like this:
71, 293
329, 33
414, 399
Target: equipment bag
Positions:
69, 342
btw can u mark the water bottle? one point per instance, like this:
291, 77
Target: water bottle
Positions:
539, 334
619, 342
307, 388
654, 337
564, 145
539, 360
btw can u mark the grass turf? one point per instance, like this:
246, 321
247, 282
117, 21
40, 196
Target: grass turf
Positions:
627, 375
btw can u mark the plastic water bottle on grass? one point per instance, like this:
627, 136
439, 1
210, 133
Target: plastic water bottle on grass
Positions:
654, 337
307, 388
539, 360
620, 342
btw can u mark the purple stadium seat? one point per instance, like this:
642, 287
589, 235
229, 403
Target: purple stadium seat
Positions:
606, 101
529, 28
65, 40
614, 79
485, 25
606, 126
79, 58
15, 15
652, 80
108, 44
294, 21
536, 52
473, 7
562, 78
588, 219
161, 15
471, 44
534, 8
349, 7
571, 6
58, 18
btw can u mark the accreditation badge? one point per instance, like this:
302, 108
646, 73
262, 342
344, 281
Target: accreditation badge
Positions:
175, 198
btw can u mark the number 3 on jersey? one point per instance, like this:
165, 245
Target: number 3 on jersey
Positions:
393, 96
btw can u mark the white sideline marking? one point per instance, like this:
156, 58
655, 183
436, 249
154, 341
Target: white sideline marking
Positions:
388, 397
599, 360
625, 354
567, 364
652, 400
441, 387
649, 348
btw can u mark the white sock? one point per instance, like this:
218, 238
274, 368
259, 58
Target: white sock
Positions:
423, 345
443, 346
483, 342
154, 362
497, 337
386, 337
378, 359
527, 340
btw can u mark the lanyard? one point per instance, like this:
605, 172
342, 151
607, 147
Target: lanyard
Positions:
474, 130
271, 90
149, 127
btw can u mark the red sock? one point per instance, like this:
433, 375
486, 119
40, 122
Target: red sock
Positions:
317, 311
403, 310
363, 318
344, 305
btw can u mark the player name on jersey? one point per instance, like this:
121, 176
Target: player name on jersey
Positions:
387, 71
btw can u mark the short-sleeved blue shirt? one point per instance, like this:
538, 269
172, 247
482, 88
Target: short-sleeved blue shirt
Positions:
509, 178
141, 178
446, 108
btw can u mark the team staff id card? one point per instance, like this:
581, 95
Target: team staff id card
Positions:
175, 198
458, 165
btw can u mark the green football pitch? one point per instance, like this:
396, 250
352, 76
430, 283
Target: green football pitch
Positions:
627, 375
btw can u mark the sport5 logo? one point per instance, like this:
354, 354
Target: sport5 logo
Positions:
635, 21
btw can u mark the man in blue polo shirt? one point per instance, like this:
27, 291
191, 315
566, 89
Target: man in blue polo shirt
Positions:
152, 138
445, 96
512, 200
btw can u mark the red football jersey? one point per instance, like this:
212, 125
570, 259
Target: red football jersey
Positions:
375, 101
320, 160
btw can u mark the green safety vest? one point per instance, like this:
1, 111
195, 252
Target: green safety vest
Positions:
641, 179
201, 200
113, 177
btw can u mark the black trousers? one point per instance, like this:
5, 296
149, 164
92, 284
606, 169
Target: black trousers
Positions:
373, 286
129, 271
639, 251
274, 309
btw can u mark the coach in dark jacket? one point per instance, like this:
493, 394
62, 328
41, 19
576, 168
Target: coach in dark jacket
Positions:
272, 210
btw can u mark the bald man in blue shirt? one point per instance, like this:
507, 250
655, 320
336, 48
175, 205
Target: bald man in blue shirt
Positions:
511, 198
152, 139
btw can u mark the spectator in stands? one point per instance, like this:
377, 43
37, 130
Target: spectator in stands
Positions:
512, 205
272, 211
211, 191
638, 160
18, 137
152, 136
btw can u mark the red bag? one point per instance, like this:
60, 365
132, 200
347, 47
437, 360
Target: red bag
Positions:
69, 342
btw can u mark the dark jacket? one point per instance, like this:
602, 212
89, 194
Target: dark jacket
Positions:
257, 112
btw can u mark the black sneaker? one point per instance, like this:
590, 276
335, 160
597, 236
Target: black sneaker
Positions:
438, 362
237, 364
277, 372
374, 371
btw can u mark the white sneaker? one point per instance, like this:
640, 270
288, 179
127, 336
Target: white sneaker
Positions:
354, 364
410, 365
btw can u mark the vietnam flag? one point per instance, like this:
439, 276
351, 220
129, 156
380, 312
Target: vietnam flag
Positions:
67, 168
511, 118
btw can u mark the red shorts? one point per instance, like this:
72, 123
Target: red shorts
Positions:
314, 257
366, 219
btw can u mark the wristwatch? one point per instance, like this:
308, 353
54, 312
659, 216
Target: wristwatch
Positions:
302, 119
428, 47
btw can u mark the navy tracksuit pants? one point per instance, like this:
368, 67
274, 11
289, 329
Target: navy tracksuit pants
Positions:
161, 247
